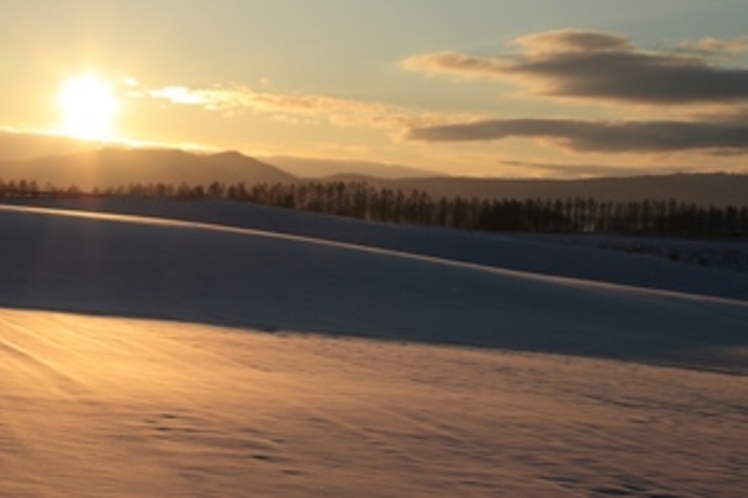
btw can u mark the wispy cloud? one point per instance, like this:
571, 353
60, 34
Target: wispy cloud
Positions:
312, 108
183, 95
537, 169
601, 136
711, 45
595, 65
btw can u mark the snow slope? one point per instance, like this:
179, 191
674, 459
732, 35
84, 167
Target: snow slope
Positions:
140, 267
107, 407
172, 390
575, 257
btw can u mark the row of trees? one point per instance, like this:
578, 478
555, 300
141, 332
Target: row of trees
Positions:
359, 200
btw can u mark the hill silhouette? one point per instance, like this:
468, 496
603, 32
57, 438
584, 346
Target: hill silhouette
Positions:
62, 162
111, 167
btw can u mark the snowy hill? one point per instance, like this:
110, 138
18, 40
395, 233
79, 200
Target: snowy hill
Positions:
145, 356
582, 257
165, 269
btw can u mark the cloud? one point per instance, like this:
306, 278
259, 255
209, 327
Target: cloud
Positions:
595, 65
555, 170
183, 95
569, 40
290, 108
710, 45
601, 136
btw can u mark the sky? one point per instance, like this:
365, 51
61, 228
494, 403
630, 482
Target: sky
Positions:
538, 88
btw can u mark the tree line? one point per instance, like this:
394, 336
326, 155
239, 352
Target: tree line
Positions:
362, 201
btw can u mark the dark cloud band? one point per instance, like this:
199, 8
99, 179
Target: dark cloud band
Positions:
600, 66
591, 136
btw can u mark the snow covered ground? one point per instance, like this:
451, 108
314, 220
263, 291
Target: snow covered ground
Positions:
103, 407
726, 254
640, 262
135, 360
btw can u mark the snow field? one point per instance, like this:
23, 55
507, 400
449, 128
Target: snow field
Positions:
114, 407
239, 362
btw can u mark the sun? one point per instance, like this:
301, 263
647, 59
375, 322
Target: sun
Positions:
88, 106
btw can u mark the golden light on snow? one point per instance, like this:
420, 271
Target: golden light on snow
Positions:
88, 106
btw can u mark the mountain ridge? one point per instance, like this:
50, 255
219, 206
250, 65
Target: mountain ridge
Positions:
110, 167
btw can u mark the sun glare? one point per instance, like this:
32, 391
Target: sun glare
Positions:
88, 106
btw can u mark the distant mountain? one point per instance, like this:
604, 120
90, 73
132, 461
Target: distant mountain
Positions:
63, 162
327, 168
719, 189
233, 164
16, 146
111, 167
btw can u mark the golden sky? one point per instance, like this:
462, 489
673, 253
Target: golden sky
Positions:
476, 87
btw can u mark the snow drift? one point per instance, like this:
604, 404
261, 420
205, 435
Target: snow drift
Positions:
138, 267
550, 255
118, 405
